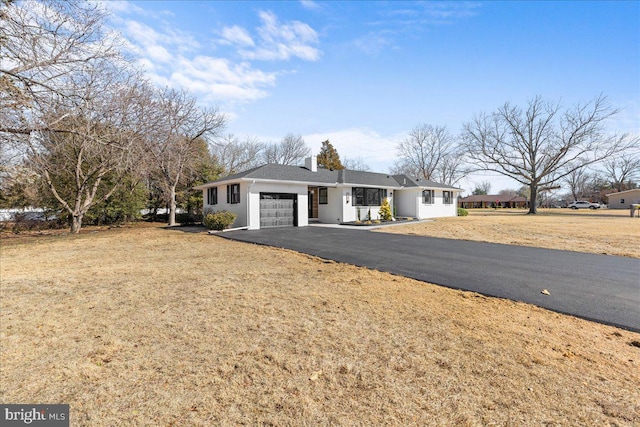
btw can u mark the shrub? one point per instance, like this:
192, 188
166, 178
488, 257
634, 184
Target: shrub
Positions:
219, 220
462, 212
188, 219
385, 211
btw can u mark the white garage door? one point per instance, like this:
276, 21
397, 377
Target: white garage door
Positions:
278, 210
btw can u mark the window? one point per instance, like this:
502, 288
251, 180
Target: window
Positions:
447, 197
323, 197
427, 197
621, 201
212, 196
233, 193
368, 196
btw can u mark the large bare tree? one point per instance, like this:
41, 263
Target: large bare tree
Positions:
43, 46
543, 143
174, 141
290, 151
430, 152
70, 103
83, 158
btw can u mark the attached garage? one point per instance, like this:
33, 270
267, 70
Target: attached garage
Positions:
278, 210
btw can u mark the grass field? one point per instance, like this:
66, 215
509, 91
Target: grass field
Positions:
148, 326
605, 231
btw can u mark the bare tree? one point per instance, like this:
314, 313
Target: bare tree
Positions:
431, 153
173, 142
578, 182
43, 45
625, 167
356, 164
508, 192
69, 102
424, 148
290, 151
542, 144
235, 155
83, 159
452, 168
483, 188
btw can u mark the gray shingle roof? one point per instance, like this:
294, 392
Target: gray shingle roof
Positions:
406, 181
274, 172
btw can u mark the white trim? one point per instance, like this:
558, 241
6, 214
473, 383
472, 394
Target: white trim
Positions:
622, 192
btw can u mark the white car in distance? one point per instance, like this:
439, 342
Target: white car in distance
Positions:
583, 204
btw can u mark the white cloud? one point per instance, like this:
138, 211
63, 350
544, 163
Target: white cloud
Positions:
310, 5
410, 19
121, 7
159, 53
377, 151
168, 60
372, 44
446, 12
237, 36
173, 57
294, 39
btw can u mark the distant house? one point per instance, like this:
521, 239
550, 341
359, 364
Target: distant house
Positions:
492, 200
623, 199
278, 196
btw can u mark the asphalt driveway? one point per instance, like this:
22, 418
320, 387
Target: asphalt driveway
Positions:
602, 288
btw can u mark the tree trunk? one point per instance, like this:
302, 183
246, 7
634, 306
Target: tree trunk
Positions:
533, 199
172, 207
76, 223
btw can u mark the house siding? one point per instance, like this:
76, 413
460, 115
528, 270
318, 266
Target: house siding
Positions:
438, 208
629, 197
409, 204
406, 202
240, 209
332, 212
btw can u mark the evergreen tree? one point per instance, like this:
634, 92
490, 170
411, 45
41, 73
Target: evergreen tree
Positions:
329, 157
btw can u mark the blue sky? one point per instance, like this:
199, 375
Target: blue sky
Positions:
363, 74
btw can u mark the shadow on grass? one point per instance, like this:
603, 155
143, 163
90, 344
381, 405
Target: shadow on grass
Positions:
186, 228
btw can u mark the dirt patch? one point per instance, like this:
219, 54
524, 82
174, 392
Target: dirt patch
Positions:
154, 327
611, 232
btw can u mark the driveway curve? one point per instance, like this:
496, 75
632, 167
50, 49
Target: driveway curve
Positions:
601, 288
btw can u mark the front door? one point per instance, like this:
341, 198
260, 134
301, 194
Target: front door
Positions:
312, 197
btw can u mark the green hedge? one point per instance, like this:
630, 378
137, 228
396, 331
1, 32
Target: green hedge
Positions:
462, 212
219, 220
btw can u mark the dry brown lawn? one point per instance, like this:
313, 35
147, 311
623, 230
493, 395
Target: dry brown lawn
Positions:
159, 327
611, 232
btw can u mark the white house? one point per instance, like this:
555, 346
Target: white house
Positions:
624, 199
278, 196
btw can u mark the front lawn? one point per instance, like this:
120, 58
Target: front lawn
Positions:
150, 326
604, 231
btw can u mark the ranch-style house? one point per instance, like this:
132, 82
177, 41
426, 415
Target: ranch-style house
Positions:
279, 196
